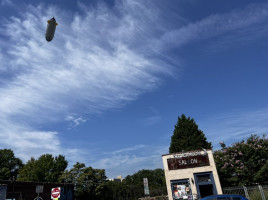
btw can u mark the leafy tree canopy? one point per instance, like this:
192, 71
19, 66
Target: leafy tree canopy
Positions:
132, 186
187, 136
8, 163
244, 162
85, 180
155, 177
156, 182
111, 190
45, 169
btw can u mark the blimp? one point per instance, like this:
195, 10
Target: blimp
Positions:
51, 27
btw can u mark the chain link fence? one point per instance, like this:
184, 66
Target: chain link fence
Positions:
251, 192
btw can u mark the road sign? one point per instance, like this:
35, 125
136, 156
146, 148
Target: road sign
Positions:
39, 189
146, 186
55, 193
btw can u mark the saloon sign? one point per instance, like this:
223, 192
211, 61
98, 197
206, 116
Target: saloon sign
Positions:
188, 160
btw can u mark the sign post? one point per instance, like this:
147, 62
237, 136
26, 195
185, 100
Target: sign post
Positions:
55, 193
146, 186
39, 189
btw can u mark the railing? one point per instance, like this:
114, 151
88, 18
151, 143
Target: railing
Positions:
251, 192
155, 198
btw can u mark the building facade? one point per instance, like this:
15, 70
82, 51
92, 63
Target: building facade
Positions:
20, 190
191, 175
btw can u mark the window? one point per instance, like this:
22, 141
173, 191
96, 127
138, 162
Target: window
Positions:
203, 178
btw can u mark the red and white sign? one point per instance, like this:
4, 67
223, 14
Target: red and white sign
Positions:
55, 193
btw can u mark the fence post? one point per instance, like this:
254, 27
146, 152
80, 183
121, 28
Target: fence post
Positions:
262, 193
246, 192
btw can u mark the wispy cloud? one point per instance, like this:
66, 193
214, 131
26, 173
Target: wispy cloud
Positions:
227, 127
150, 121
133, 159
215, 25
233, 127
93, 64
76, 121
126, 150
28, 142
101, 58
6, 2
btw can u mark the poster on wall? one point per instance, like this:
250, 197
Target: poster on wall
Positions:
181, 190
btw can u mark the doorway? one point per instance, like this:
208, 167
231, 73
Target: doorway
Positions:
205, 184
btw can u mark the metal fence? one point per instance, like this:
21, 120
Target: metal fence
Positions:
155, 198
251, 192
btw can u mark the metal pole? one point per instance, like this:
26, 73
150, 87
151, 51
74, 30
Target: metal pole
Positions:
13, 183
262, 194
246, 192
14, 179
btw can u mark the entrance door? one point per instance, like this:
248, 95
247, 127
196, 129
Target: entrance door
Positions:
205, 184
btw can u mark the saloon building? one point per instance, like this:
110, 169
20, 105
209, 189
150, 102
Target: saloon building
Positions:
191, 175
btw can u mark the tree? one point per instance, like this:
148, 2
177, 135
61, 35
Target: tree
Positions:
85, 180
244, 162
155, 177
45, 169
187, 136
156, 182
8, 163
111, 190
132, 188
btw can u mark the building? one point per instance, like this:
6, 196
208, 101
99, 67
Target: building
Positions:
191, 175
19, 190
119, 179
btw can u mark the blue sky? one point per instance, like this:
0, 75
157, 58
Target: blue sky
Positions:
107, 91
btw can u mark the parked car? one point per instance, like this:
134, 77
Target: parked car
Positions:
225, 197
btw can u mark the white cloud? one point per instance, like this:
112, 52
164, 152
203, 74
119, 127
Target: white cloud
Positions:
92, 64
132, 159
125, 150
76, 121
99, 59
233, 127
215, 25
25, 141
150, 121
6, 3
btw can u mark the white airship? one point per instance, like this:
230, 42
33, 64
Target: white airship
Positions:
51, 27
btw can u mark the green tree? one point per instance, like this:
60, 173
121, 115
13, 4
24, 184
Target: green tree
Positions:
45, 169
132, 186
85, 180
111, 190
156, 182
187, 136
244, 162
8, 163
155, 177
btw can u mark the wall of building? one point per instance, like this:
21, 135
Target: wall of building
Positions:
27, 190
